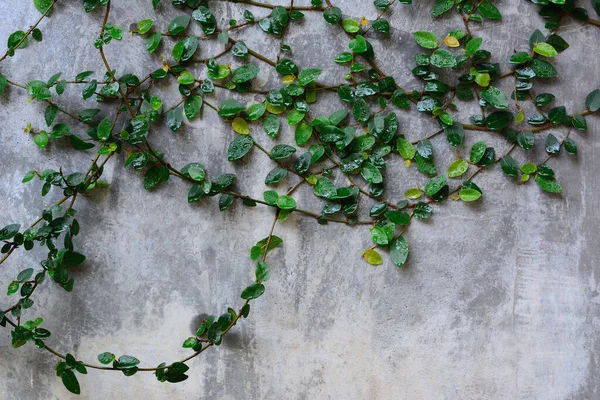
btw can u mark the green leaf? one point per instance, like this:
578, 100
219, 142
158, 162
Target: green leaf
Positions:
286, 203
398, 217
72, 259
528, 168
239, 49
440, 7
498, 120
152, 42
144, 26
239, 147
509, 166
276, 175
25, 275
104, 129
41, 139
477, 151
399, 251
526, 139
271, 197
570, 146
544, 99
472, 46
543, 69
382, 235
3, 82
255, 111
358, 44
435, 184
592, 101
225, 200
413, 193
426, 39
189, 343
360, 110
253, 291
43, 5
271, 125
127, 362
557, 115
578, 121
185, 49
455, 134
325, 188
262, 271
230, 107
442, 58
548, 184
106, 358
552, 144
151, 178
303, 133
422, 210
371, 173
457, 168
381, 25
405, 148
495, 98
308, 75
281, 151
13, 287
489, 10
28, 176
286, 67
175, 119
332, 15
245, 73
192, 106
520, 57
70, 381
350, 25
545, 49
468, 195
179, 24
536, 37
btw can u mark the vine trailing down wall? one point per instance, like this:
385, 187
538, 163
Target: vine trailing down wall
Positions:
354, 142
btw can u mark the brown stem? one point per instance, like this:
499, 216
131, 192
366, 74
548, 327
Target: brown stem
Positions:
30, 29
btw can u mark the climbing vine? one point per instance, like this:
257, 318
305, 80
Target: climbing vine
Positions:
351, 145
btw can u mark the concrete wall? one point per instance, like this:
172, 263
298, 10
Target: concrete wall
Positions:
499, 299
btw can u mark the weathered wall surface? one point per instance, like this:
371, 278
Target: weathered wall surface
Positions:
499, 300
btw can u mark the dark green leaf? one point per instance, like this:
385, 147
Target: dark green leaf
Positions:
70, 381
399, 251
253, 291
239, 147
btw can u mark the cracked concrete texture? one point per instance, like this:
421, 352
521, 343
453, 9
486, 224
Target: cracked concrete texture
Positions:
499, 299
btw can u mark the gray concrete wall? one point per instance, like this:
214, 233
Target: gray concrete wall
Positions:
499, 299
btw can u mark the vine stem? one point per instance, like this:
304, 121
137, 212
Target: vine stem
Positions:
178, 174
44, 15
371, 62
381, 14
105, 61
73, 198
285, 29
271, 6
197, 353
593, 22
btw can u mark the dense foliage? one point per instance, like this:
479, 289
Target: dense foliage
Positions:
356, 141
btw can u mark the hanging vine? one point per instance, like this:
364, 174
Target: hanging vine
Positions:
353, 144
